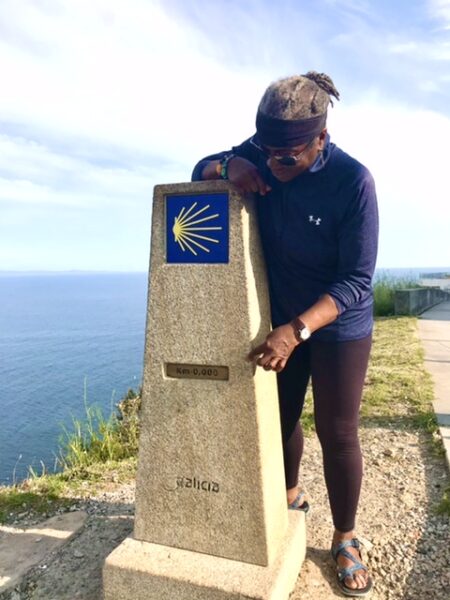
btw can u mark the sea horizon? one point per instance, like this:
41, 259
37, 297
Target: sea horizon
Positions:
141, 272
65, 334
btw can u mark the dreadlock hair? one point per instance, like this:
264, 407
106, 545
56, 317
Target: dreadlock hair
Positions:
299, 96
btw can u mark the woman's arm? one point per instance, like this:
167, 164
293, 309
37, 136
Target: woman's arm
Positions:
242, 170
358, 242
358, 245
274, 352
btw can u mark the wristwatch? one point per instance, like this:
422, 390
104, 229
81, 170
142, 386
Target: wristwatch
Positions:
301, 331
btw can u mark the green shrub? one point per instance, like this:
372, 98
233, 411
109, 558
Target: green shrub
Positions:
384, 288
97, 439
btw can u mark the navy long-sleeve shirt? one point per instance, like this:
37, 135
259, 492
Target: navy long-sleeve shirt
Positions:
319, 234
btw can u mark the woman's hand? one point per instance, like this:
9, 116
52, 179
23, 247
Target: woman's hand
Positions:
245, 176
277, 348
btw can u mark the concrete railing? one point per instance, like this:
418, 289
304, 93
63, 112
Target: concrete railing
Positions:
416, 300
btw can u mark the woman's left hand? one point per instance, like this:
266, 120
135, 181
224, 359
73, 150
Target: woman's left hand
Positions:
277, 348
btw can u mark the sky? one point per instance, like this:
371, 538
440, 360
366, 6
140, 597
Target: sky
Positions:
103, 99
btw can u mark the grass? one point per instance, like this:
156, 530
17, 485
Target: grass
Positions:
96, 455
398, 391
397, 387
444, 506
397, 384
17, 500
45, 493
99, 440
100, 453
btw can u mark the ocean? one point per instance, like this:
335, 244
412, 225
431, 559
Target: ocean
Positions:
64, 339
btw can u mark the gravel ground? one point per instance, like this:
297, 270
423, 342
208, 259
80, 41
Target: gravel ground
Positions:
407, 546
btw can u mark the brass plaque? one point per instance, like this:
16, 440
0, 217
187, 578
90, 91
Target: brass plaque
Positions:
182, 371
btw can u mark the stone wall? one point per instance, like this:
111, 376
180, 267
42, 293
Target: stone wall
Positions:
417, 300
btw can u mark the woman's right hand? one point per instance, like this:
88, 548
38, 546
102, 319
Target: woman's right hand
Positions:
245, 176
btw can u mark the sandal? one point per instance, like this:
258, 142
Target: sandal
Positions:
344, 572
299, 503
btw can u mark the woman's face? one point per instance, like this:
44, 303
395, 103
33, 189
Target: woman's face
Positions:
302, 156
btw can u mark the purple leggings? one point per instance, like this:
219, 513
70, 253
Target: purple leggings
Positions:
337, 370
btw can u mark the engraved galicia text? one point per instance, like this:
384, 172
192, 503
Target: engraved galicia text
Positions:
197, 484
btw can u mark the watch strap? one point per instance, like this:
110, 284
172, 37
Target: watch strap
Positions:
298, 326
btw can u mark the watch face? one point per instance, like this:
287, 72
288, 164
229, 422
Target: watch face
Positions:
305, 333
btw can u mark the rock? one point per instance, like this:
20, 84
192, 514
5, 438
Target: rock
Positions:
366, 543
78, 554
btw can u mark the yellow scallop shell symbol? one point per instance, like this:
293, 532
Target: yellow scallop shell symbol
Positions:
186, 227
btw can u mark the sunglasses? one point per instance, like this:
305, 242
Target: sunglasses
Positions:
288, 160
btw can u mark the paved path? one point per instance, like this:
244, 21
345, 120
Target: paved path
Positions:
22, 549
434, 331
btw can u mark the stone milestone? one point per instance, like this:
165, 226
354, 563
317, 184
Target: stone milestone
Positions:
211, 516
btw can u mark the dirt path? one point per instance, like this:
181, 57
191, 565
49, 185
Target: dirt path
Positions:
408, 544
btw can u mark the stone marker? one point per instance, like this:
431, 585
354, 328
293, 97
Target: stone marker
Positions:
211, 516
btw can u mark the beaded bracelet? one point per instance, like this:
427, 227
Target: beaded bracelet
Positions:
222, 167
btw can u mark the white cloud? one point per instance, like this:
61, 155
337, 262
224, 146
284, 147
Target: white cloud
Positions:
124, 73
440, 10
122, 77
362, 7
406, 149
430, 86
102, 99
434, 50
31, 173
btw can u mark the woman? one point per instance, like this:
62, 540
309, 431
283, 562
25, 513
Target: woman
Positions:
318, 222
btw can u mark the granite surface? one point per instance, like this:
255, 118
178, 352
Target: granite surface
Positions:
210, 474
211, 515
145, 571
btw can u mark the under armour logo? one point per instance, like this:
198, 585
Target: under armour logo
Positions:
312, 219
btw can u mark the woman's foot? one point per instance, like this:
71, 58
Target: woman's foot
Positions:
296, 500
292, 494
352, 580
